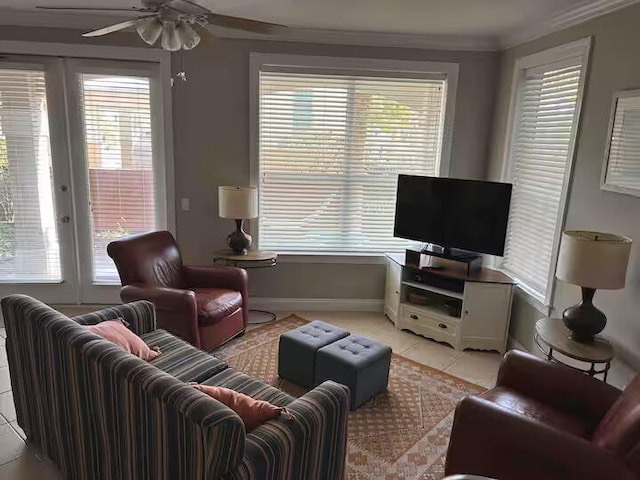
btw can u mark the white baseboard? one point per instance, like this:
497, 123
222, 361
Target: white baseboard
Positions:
316, 304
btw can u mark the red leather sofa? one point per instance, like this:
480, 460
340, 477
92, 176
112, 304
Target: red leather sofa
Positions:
545, 421
206, 306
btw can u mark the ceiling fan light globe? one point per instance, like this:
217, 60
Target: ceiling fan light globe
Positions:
189, 38
170, 40
149, 29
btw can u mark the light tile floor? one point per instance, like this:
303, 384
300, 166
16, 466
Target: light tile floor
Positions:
20, 462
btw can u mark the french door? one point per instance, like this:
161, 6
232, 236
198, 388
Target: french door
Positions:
81, 164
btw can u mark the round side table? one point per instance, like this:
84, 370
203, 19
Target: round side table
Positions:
553, 336
253, 259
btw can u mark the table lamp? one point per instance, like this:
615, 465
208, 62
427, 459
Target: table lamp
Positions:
238, 203
591, 260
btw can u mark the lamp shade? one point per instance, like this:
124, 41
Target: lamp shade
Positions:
593, 259
238, 202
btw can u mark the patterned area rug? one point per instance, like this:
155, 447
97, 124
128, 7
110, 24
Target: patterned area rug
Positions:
401, 434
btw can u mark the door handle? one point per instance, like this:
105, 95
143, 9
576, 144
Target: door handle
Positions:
415, 317
442, 325
65, 219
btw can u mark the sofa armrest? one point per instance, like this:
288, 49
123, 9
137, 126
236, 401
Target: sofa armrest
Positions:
216, 277
491, 440
217, 429
557, 385
140, 316
311, 446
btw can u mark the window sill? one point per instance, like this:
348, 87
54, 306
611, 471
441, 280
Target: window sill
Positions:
332, 258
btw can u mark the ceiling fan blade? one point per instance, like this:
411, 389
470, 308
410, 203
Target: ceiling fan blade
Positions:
98, 9
114, 28
246, 24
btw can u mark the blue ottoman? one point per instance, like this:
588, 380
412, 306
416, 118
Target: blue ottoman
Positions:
298, 348
359, 363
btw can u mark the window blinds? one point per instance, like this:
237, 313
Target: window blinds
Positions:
330, 149
116, 112
544, 122
29, 248
623, 167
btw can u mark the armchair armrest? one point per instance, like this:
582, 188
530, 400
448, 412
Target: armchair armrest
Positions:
490, 440
216, 277
311, 446
556, 385
176, 309
140, 316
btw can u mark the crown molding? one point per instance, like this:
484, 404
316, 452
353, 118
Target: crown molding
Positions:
297, 35
562, 20
373, 39
22, 18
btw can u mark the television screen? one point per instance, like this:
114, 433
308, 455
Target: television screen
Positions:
452, 213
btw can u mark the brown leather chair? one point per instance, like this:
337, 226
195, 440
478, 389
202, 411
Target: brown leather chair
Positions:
545, 421
206, 306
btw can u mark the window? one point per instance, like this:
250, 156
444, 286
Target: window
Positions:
29, 247
545, 119
116, 113
331, 144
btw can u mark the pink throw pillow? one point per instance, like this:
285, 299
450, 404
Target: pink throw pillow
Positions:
116, 331
252, 412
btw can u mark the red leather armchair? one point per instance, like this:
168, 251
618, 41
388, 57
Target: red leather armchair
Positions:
206, 306
544, 421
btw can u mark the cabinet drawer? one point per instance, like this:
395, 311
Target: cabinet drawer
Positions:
426, 321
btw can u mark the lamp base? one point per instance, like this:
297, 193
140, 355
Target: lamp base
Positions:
239, 241
584, 320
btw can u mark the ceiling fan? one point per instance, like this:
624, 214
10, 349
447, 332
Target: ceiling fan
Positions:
173, 22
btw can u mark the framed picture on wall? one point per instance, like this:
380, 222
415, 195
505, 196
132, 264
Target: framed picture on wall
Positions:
621, 169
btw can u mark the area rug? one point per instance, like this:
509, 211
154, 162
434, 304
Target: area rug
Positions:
401, 434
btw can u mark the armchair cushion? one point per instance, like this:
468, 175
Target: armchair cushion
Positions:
215, 304
536, 410
181, 360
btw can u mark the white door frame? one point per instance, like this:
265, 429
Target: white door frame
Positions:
76, 287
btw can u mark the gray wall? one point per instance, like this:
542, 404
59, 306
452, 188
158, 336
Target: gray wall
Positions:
613, 66
211, 135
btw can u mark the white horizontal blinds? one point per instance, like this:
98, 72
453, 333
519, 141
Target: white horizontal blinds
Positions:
540, 158
330, 149
624, 153
116, 112
29, 248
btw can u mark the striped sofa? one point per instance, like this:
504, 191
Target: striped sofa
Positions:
101, 413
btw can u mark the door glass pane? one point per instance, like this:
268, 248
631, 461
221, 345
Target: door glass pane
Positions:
116, 112
29, 248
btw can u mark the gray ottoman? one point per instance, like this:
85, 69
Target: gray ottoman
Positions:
298, 348
359, 363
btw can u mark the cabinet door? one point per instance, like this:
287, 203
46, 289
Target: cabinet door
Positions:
392, 290
486, 311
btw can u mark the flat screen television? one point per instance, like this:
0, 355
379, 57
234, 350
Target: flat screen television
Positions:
452, 213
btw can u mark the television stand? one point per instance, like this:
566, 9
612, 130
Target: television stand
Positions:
466, 309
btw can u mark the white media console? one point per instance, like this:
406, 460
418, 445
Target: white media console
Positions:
465, 310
